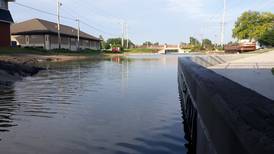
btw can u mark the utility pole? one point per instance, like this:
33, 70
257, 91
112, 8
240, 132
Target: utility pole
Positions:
127, 35
223, 24
123, 33
78, 34
59, 4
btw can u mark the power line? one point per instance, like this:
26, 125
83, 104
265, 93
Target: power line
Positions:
99, 30
93, 7
80, 7
76, 14
63, 17
42, 11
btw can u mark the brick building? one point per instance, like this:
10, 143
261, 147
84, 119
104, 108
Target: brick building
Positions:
5, 21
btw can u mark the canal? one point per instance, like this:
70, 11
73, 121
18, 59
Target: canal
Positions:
121, 105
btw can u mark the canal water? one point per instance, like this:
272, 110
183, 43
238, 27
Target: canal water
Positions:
116, 106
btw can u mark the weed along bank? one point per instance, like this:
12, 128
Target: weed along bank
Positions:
44, 34
5, 21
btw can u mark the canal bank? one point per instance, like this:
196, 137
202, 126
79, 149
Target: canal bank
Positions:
12, 72
221, 114
17, 63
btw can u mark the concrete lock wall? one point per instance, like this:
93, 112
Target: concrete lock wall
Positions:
222, 116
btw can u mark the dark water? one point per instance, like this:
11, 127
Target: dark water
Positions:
118, 106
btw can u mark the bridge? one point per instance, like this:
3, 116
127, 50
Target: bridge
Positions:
167, 48
171, 49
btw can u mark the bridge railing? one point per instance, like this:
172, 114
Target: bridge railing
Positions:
152, 46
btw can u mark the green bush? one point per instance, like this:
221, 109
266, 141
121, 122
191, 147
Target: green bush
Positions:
197, 48
272, 71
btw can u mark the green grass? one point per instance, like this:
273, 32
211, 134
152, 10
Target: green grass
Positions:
133, 50
141, 50
39, 51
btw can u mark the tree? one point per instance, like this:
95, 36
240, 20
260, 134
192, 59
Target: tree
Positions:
207, 44
195, 44
253, 25
156, 43
147, 43
267, 38
114, 42
117, 42
194, 41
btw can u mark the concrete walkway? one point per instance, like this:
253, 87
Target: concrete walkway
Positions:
252, 72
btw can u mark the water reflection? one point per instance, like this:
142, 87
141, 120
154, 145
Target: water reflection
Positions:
7, 108
126, 105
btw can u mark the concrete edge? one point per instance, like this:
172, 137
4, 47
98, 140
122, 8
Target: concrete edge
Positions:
237, 119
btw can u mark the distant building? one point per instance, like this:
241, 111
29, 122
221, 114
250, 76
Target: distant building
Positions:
44, 34
5, 21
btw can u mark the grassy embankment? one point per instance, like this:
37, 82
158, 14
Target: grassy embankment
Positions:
141, 50
34, 56
134, 51
42, 52
87, 52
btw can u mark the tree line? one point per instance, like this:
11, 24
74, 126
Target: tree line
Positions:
252, 25
257, 26
115, 42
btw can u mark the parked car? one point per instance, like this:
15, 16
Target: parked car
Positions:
116, 49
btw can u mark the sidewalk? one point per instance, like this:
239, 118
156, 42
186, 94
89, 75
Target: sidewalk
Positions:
252, 72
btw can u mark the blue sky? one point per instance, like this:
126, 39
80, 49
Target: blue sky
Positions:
164, 21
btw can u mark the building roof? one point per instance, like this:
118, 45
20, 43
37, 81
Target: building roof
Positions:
5, 16
39, 26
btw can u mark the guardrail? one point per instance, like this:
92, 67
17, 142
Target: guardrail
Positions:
221, 116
